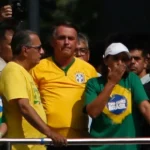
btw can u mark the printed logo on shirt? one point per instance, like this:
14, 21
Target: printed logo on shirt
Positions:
117, 104
36, 95
80, 78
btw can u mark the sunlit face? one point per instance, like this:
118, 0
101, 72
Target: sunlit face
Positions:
5, 46
138, 62
64, 42
82, 51
34, 51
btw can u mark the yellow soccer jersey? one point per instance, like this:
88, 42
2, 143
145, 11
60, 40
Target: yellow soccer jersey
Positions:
16, 82
61, 94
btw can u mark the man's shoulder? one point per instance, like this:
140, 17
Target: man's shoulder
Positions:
44, 63
11, 66
84, 64
97, 80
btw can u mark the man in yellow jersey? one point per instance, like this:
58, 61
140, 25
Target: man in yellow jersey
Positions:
23, 109
61, 81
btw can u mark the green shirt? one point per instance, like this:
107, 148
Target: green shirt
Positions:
116, 120
2, 119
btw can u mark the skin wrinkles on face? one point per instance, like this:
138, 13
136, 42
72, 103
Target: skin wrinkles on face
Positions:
64, 42
82, 51
138, 62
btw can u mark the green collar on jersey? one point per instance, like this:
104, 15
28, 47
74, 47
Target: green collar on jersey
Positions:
67, 67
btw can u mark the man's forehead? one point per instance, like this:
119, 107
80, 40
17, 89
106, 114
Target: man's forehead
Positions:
65, 30
35, 39
136, 52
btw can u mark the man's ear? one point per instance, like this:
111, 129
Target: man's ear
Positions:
24, 51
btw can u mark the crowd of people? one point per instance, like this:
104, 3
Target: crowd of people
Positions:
66, 96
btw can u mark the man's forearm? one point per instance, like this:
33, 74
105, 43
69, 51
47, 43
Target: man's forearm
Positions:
34, 119
145, 110
96, 107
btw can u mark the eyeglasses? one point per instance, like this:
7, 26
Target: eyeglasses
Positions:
82, 51
35, 47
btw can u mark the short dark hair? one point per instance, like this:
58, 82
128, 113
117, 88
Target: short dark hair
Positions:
63, 23
19, 39
140, 42
3, 28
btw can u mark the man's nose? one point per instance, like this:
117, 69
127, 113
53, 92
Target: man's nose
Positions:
132, 60
78, 53
66, 40
42, 51
120, 61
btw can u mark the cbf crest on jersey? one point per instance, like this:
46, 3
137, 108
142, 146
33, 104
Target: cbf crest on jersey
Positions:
80, 78
119, 104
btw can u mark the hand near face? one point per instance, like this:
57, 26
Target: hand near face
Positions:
116, 72
5, 12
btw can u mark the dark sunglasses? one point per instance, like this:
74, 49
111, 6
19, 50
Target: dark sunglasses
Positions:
35, 47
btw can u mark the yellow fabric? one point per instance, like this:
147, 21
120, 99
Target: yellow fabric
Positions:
119, 90
61, 94
16, 82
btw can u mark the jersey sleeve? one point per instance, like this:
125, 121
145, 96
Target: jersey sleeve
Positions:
138, 91
90, 91
14, 84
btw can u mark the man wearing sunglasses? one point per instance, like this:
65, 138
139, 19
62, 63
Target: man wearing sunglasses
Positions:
23, 109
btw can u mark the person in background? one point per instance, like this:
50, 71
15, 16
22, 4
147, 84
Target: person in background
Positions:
109, 99
61, 81
5, 12
138, 65
82, 50
6, 34
20, 95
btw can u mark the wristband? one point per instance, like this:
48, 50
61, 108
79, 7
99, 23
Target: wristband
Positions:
42, 140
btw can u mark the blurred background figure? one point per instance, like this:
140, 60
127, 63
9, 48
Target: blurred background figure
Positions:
6, 34
139, 51
82, 50
5, 12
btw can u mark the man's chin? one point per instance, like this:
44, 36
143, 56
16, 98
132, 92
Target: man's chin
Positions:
68, 55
